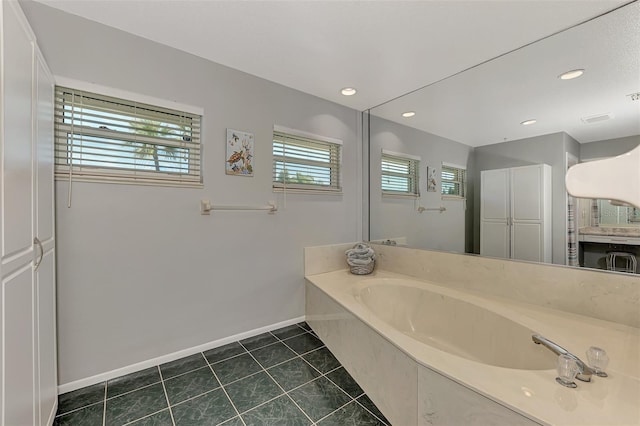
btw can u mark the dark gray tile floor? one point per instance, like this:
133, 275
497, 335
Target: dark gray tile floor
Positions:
286, 377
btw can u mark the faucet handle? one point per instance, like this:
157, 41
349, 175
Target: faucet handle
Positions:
567, 368
598, 360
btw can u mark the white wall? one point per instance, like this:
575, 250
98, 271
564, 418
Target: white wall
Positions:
608, 148
397, 217
140, 272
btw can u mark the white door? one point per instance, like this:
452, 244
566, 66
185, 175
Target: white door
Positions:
526, 193
494, 213
45, 359
527, 209
19, 379
28, 378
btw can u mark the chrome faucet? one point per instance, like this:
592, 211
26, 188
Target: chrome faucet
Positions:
584, 371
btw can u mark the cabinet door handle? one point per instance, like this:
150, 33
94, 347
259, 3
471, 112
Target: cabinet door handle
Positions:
37, 241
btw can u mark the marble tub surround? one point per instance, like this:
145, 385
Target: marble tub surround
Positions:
617, 231
604, 295
607, 295
514, 396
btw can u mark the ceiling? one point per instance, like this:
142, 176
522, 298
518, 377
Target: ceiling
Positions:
382, 48
486, 104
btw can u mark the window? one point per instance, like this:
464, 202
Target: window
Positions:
399, 174
454, 180
305, 162
101, 138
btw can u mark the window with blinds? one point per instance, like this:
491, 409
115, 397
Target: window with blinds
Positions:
453, 181
399, 174
101, 138
305, 163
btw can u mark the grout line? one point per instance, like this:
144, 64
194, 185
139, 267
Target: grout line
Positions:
131, 391
369, 411
226, 359
225, 391
336, 410
78, 409
166, 396
281, 388
196, 396
104, 402
177, 375
148, 415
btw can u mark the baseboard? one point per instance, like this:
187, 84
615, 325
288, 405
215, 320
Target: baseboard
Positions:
78, 384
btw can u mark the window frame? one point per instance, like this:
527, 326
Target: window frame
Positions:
461, 182
305, 140
413, 163
128, 172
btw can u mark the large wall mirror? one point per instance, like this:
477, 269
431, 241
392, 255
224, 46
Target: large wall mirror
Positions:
475, 163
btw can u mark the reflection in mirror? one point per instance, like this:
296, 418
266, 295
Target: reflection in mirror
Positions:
511, 199
615, 215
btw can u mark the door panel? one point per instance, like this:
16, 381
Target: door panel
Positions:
495, 195
44, 154
17, 153
494, 239
526, 193
45, 281
18, 341
526, 241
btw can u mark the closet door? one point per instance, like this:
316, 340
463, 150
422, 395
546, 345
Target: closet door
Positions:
46, 370
527, 207
494, 213
17, 253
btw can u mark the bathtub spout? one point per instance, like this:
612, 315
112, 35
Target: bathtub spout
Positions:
584, 371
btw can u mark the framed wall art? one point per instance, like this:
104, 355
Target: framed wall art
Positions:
432, 183
239, 153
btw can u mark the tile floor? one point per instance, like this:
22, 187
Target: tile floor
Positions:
286, 377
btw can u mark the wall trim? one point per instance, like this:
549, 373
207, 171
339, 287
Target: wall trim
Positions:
88, 381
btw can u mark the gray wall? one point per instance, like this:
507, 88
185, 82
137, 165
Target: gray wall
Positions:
397, 217
548, 149
141, 273
608, 148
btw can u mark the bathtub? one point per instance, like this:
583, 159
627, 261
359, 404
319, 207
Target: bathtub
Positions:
427, 354
451, 325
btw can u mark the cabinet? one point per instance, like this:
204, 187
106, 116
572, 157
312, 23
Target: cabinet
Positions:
28, 391
515, 213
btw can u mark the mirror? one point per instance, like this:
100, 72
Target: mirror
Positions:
479, 120
615, 215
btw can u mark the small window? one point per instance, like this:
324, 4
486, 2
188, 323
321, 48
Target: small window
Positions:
399, 174
305, 162
101, 138
453, 181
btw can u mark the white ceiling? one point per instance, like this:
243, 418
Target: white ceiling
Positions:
486, 105
383, 48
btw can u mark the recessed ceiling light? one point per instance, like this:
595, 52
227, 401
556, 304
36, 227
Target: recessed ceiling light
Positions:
571, 74
348, 91
408, 114
529, 122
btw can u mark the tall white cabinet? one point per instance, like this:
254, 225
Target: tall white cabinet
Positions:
28, 378
515, 213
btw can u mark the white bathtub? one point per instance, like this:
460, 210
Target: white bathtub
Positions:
432, 355
452, 325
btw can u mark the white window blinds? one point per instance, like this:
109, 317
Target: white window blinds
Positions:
399, 174
453, 181
305, 163
101, 138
